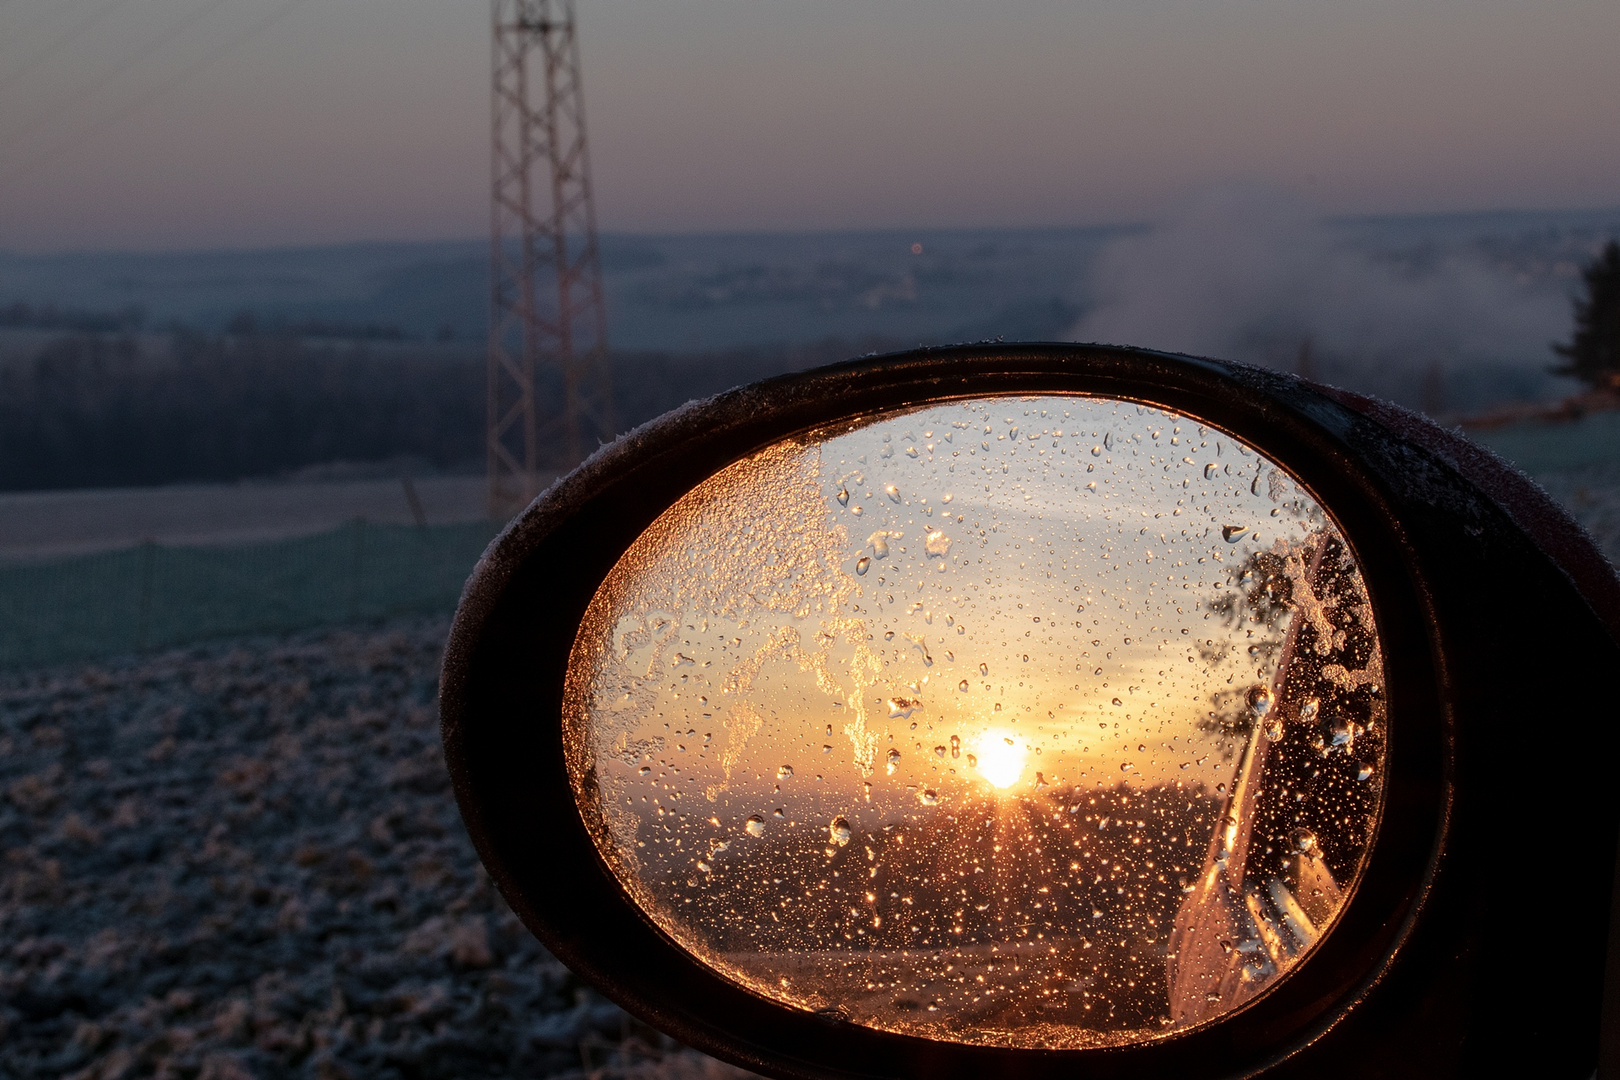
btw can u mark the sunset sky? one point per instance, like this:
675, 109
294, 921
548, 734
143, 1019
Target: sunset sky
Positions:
159, 124
1029, 577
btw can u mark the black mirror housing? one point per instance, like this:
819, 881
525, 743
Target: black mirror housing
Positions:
1477, 938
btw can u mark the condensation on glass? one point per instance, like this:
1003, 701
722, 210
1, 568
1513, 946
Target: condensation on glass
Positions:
1026, 722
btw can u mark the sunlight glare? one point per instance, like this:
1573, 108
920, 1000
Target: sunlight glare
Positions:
1001, 757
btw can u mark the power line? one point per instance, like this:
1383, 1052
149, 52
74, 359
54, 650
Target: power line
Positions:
62, 42
174, 30
139, 102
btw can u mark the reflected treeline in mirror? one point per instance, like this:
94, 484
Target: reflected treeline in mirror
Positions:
1025, 722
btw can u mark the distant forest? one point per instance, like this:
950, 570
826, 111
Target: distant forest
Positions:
94, 409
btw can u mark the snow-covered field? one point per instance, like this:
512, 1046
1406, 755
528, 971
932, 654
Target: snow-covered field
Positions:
244, 860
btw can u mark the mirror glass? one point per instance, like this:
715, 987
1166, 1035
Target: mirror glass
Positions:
1029, 722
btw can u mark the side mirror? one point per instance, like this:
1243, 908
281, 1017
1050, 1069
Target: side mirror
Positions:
1054, 711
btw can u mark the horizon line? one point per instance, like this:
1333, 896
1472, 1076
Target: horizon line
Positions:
1363, 218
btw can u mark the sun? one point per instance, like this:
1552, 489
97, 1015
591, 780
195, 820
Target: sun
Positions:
1000, 757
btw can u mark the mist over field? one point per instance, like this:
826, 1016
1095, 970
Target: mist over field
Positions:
1253, 274
1235, 272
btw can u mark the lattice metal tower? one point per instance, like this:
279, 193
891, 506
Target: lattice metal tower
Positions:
547, 318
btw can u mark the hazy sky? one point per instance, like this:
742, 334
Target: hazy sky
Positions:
208, 123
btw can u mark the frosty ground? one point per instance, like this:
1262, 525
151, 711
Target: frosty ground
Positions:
244, 860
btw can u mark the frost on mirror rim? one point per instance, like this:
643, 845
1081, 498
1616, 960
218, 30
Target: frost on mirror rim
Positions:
1048, 722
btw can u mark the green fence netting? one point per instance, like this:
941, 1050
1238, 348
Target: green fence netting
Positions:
155, 595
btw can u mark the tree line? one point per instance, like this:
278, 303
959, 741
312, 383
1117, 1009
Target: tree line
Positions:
115, 409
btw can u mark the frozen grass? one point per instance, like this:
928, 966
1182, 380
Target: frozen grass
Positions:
245, 861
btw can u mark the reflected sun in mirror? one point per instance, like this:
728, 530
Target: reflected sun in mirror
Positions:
1029, 722
1000, 757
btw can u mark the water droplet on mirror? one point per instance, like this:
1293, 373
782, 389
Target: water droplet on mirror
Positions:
861, 564
1233, 533
928, 797
901, 707
754, 826
1260, 700
1272, 728
784, 772
956, 746
984, 669
843, 496
1364, 772
962, 686
839, 831
894, 761
892, 492
1307, 711
973, 761
937, 544
1210, 471
940, 751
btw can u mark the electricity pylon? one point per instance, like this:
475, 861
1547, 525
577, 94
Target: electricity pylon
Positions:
546, 311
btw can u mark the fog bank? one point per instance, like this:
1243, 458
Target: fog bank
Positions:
1252, 274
